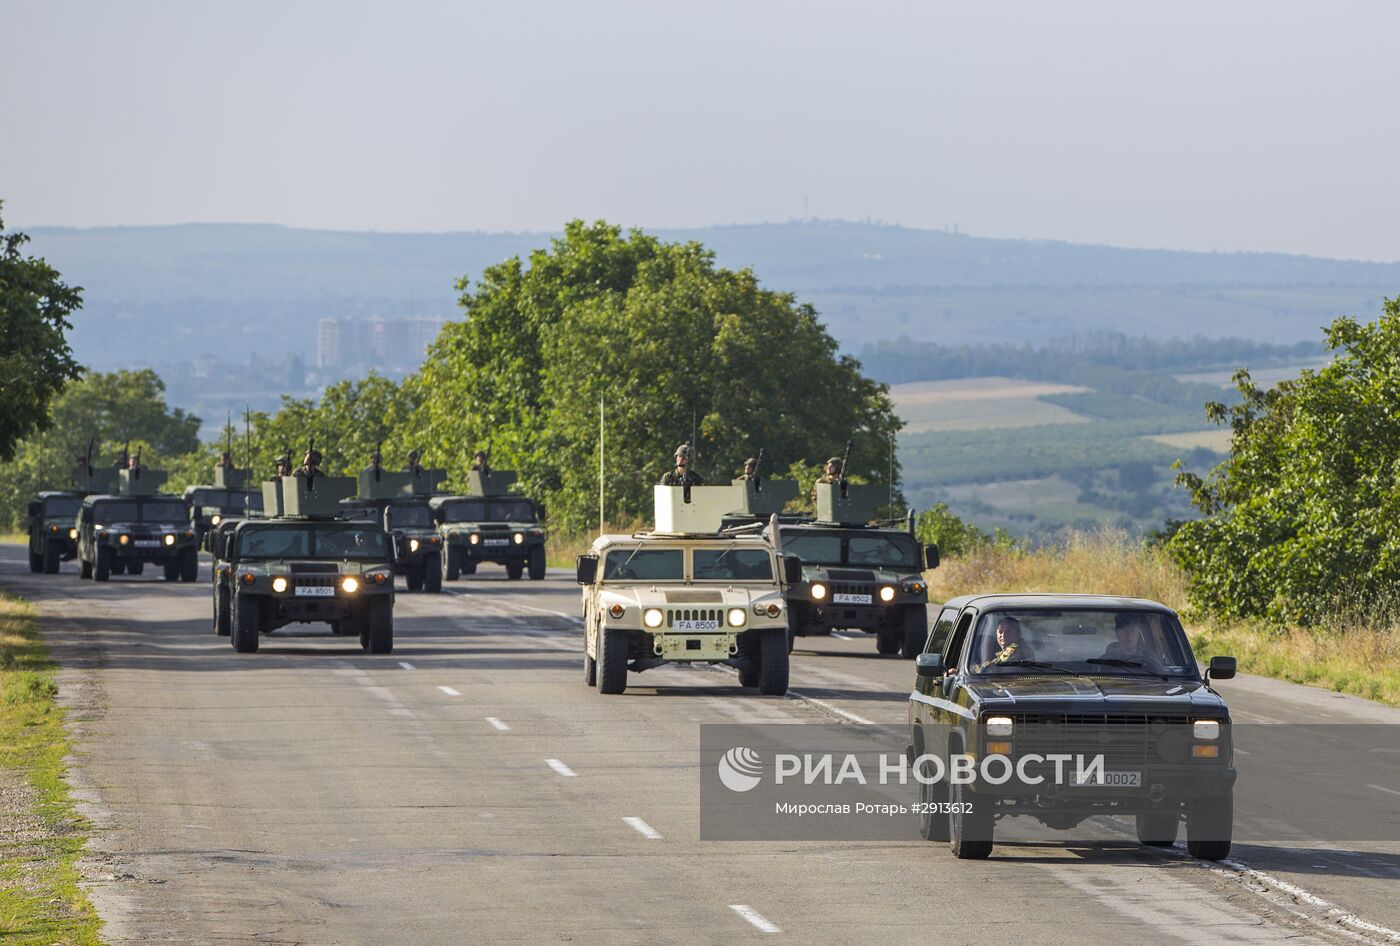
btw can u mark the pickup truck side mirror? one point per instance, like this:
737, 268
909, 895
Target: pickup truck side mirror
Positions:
1220, 668
586, 569
931, 556
792, 570
929, 665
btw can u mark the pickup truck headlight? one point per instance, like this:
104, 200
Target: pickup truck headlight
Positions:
737, 617
1206, 730
818, 591
652, 617
998, 725
887, 593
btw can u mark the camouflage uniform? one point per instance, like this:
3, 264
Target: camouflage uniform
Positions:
682, 475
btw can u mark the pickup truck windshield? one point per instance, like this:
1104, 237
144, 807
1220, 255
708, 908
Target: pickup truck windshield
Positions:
1083, 642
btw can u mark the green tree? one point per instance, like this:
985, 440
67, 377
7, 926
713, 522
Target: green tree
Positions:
670, 344
35, 360
1298, 521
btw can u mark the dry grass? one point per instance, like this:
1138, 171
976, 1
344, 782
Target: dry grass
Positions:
564, 547
1356, 656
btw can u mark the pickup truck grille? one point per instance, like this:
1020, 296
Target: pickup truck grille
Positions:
1122, 739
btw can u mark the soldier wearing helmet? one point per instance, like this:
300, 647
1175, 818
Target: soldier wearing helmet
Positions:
832, 474
311, 463
750, 469
376, 463
479, 461
284, 466
682, 475
412, 465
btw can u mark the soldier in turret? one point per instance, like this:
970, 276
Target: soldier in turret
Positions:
479, 461
311, 463
284, 466
832, 474
376, 464
413, 466
225, 460
682, 475
750, 469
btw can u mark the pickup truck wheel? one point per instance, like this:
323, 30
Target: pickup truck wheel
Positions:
414, 579
103, 569
773, 662
50, 558
1209, 825
933, 824
172, 571
514, 570
36, 560
889, 643
432, 573
451, 563
222, 625
969, 824
246, 626
612, 660
1158, 830
537, 563
379, 618
189, 565
915, 631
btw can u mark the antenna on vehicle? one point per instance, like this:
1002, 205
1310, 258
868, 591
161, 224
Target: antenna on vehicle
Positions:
845, 462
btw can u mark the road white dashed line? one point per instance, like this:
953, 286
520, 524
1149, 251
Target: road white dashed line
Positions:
449, 691
1382, 788
497, 723
754, 917
405, 664
644, 829
830, 708
561, 768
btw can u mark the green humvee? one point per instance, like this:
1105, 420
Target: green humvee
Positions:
304, 564
123, 532
230, 495
488, 524
53, 532
399, 501
858, 575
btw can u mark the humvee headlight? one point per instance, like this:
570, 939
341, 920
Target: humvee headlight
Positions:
998, 725
123, 539
652, 617
1206, 730
818, 591
413, 545
737, 617
519, 537
72, 533
616, 611
169, 539
887, 593
474, 539
350, 584
215, 519
279, 584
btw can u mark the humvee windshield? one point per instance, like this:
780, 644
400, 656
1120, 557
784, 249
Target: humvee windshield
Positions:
732, 564
889, 549
488, 510
410, 517
131, 510
645, 565
58, 506
341, 540
1082, 641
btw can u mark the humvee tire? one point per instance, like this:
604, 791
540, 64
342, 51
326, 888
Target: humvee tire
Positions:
432, 573
537, 563
50, 559
889, 643
36, 561
748, 677
172, 571
1209, 826
414, 579
590, 669
969, 824
189, 564
915, 631
222, 619
514, 570
1158, 830
612, 660
379, 624
84, 568
773, 663
135, 568
102, 570
451, 564
245, 627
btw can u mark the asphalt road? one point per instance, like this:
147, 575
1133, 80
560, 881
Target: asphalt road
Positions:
469, 788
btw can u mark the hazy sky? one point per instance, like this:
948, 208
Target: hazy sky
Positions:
1242, 124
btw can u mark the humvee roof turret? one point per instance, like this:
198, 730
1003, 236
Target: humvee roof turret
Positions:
88, 480
850, 504
139, 481
490, 482
399, 484
300, 495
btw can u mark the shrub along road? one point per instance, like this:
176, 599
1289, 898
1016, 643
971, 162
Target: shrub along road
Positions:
470, 788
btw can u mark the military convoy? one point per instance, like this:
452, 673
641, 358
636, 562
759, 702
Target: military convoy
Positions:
304, 563
399, 501
490, 524
689, 591
231, 494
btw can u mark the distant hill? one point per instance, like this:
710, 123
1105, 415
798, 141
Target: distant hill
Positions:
163, 294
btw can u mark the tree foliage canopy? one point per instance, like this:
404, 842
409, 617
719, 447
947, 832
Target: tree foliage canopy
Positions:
1299, 519
35, 360
670, 344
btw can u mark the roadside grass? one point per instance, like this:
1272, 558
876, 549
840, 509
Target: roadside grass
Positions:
564, 547
41, 834
1353, 656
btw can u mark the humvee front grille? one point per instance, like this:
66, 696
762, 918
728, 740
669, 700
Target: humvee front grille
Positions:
854, 590
316, 581
694, 614
487, 536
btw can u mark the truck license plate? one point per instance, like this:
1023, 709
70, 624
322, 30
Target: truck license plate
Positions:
147, 543
315, 591
852, 599
1117, 779
496, 542
697, 625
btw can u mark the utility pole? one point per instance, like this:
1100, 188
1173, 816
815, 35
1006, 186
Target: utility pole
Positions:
600, 464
